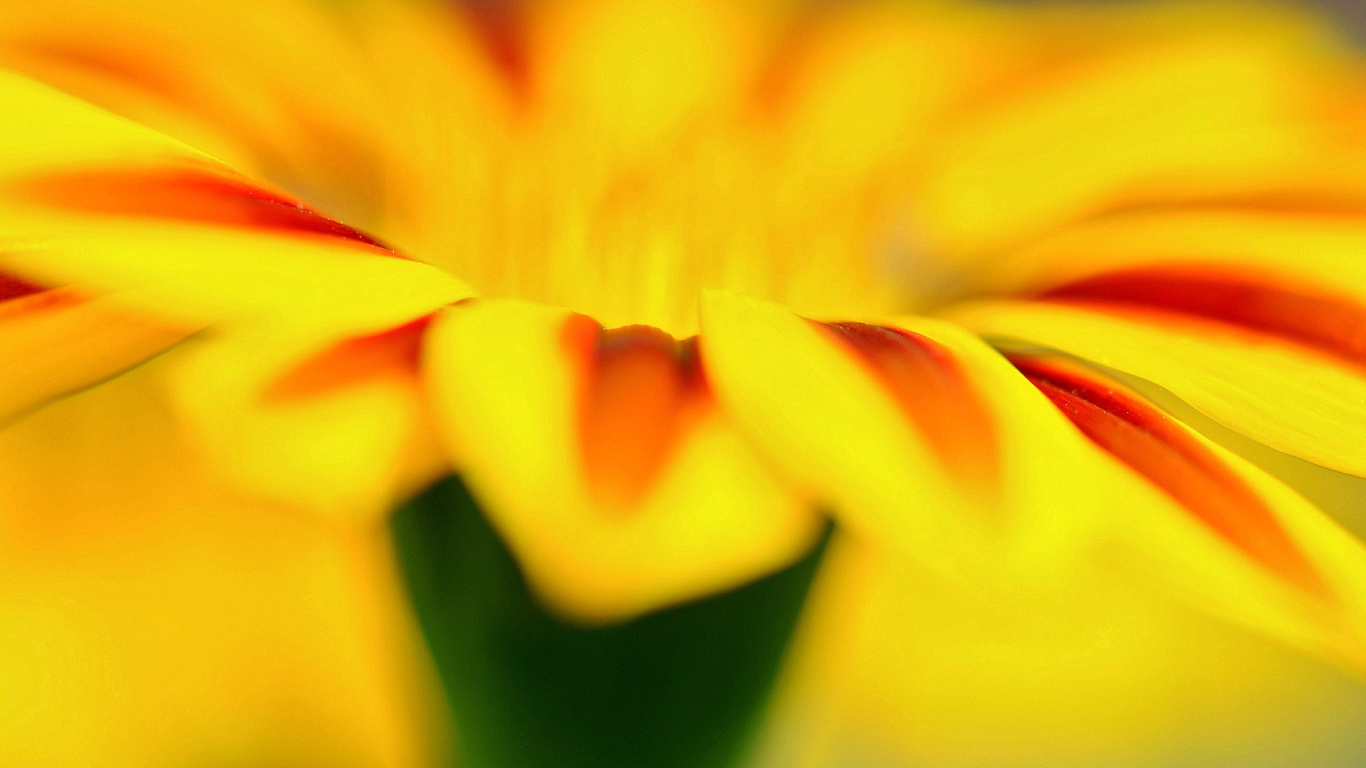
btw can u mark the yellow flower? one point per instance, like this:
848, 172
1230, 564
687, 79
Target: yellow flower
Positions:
668, 284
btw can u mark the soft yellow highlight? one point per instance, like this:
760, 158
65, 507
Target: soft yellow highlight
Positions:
152, 615
895, 667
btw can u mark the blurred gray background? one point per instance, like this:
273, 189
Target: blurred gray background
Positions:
1352, 13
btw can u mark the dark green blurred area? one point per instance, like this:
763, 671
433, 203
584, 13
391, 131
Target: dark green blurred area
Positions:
680, 688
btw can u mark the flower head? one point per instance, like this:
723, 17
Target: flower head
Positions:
669, 284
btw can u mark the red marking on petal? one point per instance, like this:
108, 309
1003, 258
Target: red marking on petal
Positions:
641, 390
932, 390
501, 27
392, 354
186, 194
1331, 324
12, 287
20, 297
1155, 446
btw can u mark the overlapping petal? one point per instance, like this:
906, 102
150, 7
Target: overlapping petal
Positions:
153, 614
59, 340
603, 458
918, 436
336, 424
893, 668
1133, 107
1214, 527
276, 89
1251, 316
98, 201
618, 159
858, 414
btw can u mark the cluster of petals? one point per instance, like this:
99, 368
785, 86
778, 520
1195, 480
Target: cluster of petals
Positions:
673, 284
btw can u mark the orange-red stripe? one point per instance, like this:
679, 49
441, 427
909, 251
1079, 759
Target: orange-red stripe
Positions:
640, 391
934, 393
392, 354
501, 27
19, 297
1305, 203
12, 287
1264, 305
153, 74
1155, 446
185, 194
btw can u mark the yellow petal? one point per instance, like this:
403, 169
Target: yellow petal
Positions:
855, 98
1083, 669
918, 436
1165, 115
58, 341
332, 423
604, 461
276, 88
1305, 243
151, 615
859, 88
1281, 390
896, 668
93, 200
630, 76
449, 114
1280, 563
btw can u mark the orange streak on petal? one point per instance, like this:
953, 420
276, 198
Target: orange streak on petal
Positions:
641, 389
186, 194
934, 394
392, 354
116, 63
501, 27
1331, 324
1153, 445
1296, 203
19, 297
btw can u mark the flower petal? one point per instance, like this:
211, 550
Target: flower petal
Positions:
603, 459
94, 200
153, 615
56, 341
275, 88
629, 76
1277, 364
1100, 671
1229, 535
1300, 241
1158, 114
449, 119
919, 436
1114, 480
333, 424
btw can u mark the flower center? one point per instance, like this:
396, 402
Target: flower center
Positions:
635, 240
636, 154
